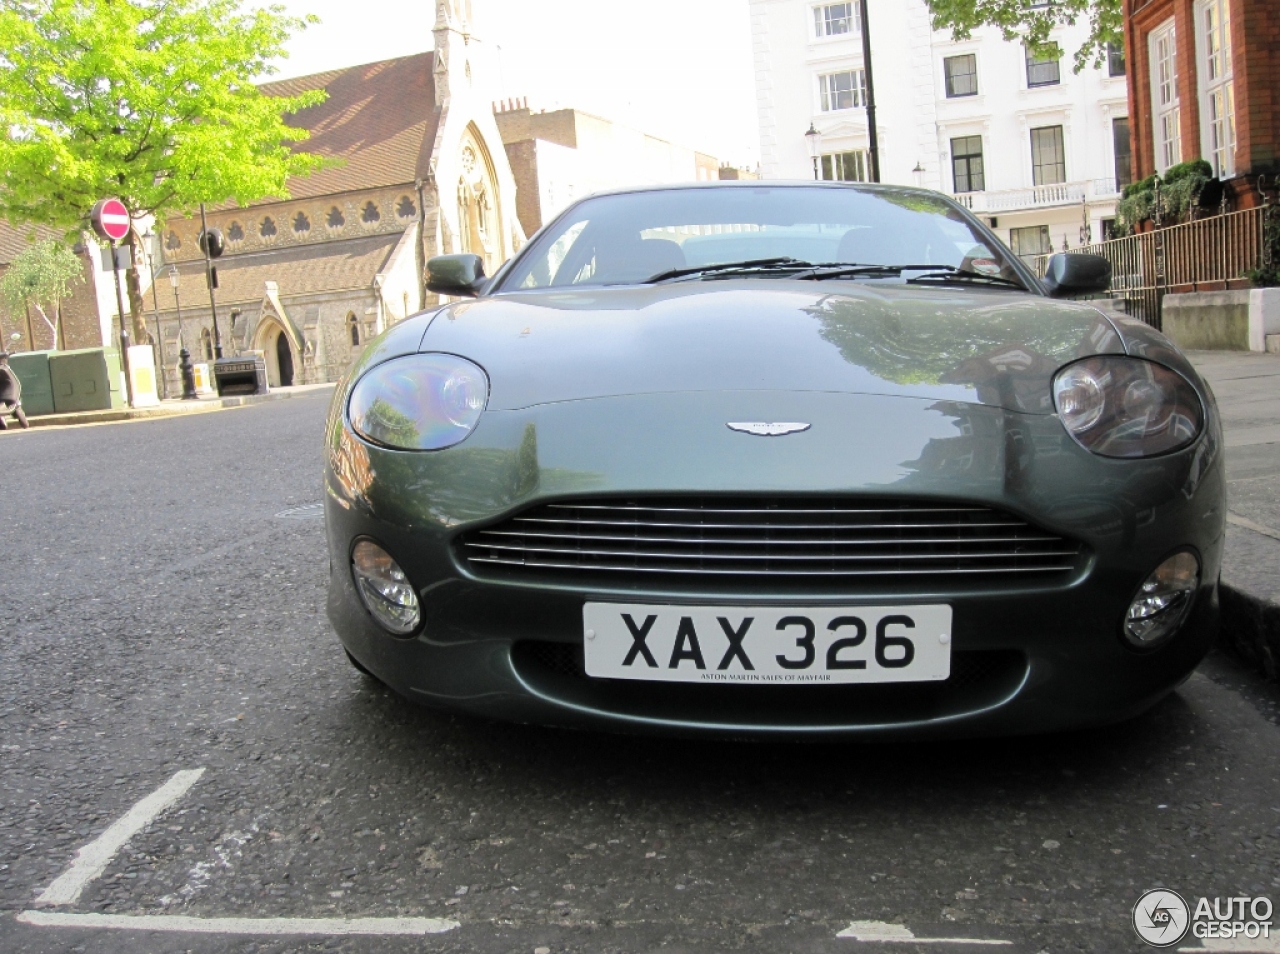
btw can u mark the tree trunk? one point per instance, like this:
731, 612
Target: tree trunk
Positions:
133, 287
53, 326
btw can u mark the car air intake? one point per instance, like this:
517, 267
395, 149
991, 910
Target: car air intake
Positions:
718, 540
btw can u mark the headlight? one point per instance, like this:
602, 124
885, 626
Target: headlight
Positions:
1117, 406
1162, 603
419, 402
384, 589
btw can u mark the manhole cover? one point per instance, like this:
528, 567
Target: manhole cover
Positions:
313, 511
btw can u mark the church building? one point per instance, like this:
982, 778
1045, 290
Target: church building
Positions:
421, 171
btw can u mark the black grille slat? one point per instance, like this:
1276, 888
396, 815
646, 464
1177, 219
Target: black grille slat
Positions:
754, 538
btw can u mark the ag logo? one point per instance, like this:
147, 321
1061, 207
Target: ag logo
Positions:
1161, 917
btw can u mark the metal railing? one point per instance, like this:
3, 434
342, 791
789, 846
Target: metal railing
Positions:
1039, 197
1211, 254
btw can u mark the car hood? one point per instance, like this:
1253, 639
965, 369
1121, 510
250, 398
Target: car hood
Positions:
978, 346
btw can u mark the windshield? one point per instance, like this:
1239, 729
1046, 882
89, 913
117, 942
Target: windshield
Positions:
684, 234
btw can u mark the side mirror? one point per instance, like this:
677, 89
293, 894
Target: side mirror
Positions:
1069, 275
461, 275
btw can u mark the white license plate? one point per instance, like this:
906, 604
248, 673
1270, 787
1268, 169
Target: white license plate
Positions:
757, 644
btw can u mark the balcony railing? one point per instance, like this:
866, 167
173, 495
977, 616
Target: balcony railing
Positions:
1038, 197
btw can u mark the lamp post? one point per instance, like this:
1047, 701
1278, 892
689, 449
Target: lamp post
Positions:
918, 173
211, 278
184, 356
813, 140
873, 139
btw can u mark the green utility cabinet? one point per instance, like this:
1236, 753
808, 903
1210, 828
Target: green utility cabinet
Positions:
87, 380
32, 369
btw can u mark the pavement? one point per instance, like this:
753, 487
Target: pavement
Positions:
168, 408
1247, 387
189, 764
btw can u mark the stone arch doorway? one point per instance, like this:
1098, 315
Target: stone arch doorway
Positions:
479, 218
273, 341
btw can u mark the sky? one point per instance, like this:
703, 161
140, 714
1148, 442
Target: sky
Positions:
678, 69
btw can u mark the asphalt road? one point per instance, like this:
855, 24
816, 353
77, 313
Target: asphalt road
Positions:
158, 615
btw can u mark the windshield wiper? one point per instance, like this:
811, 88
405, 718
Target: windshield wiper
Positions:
844, 269
950, 273
750, 265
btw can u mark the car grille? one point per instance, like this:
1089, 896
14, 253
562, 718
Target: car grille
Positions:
718, 539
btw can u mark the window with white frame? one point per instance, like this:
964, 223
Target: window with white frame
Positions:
1165, 111
1048, 156
1217, 87
834, 19
845, 166
967, 169
1042, 70
1030, 241
961, 75
845, 90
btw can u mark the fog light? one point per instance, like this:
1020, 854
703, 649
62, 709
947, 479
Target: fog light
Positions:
384, 589
1163, 601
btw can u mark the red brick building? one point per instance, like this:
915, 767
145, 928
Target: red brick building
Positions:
1204, 83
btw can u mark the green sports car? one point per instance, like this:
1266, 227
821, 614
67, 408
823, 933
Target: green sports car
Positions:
813, 459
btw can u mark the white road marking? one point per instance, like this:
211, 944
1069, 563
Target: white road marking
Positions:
1236, 520
1238, 945
878, 932
262, 926
93, 858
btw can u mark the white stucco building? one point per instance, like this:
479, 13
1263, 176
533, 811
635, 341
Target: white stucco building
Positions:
1035, 149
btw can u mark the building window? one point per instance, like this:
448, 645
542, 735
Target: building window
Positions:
236, 232
172, 243
962, 75
301, 224
1165, 111
1042, 71
405, 208
834, 19
267, 228
370, 213
1217, 87
845, 90
335, 219
1124, 156
1031, 241
1115, 59
206, 344
845, 166
966, 164
353, 326
1048, 156
1109, 230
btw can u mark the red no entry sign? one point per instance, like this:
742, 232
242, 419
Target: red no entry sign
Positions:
110, 219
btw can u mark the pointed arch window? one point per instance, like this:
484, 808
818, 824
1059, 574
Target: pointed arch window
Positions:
206, 344
353, 328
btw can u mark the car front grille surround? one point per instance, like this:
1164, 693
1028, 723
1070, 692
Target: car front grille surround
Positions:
733, 539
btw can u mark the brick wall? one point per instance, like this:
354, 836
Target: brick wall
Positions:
1255, 35
1255, 28
523, 158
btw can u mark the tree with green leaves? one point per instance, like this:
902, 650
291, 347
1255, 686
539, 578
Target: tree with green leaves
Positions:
1019, 20
40, 277
151, 101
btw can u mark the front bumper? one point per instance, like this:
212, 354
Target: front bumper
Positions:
1029, 656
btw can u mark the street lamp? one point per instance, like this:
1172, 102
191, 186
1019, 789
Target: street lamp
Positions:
184, 356
918, 172
813, 139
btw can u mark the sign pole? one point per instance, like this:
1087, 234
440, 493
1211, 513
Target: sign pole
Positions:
124, 330
873, 139
111, 221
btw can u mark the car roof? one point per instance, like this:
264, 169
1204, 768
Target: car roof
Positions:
768, 184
